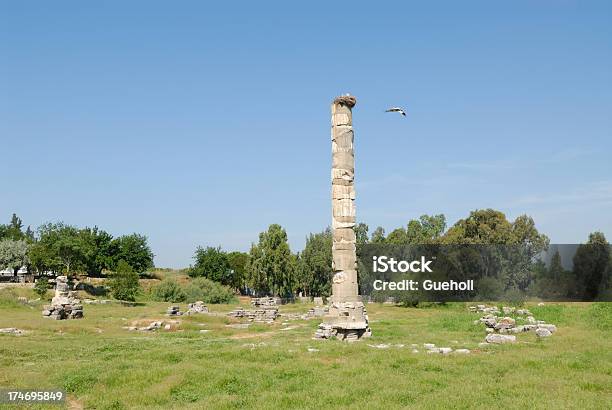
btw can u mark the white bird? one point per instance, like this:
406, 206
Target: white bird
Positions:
397, 109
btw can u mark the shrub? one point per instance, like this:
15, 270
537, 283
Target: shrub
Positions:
168, 291
41, 286
124, 282
208, 292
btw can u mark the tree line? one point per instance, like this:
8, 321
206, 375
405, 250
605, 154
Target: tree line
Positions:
271, 268
60, 248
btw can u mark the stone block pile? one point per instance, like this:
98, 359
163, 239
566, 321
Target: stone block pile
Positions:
65, 304
501, 329
265, 315
265, 301
174, 311
197, 307
266, 311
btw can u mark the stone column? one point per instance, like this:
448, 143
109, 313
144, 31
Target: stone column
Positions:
347, 318
344, 285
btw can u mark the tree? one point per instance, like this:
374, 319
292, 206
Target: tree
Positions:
41, 286
123, 282
555, 271
212, 263
592, 265
513, 262
255, 275
427, 229
100, 251
133, 249
397, 237
271, 266
60, 248
378, 236
238, 262
361, 233
13, 254
316, 264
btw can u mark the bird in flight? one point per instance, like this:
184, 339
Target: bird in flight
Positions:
397, 109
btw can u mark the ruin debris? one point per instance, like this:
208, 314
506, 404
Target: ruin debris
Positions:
65, 304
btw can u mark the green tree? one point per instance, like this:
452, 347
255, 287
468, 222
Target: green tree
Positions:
512, 263
397, 237
427, 229
316, 264
212, 263
361, 233
555, 271
592, 265
378, 236
238, 263
59, 248
41, 286
99, 250
133, 249
123, 282
13, 254
256, 277
270, 267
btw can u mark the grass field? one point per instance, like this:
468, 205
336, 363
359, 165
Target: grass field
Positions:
104, 366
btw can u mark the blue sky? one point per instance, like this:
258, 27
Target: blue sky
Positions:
201, 124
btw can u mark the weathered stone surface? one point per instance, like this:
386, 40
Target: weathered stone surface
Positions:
547, 326
12, 331
174, 311
462, 351
500, 339
262, 314
347, 318
65, 304
543, 332
197, 307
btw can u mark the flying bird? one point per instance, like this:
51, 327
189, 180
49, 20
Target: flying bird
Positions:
397, 109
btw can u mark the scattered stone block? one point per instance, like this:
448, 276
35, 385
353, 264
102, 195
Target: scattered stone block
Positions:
543, 332
12, 331
547, 326
174, 311
500, 339
197, 307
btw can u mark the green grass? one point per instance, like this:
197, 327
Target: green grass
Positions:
103, 366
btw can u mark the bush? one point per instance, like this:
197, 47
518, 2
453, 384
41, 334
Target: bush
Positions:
41, 287
208, 292
124, 282
168, 291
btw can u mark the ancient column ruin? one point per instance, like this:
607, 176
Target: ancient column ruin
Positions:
347, 318
65, 304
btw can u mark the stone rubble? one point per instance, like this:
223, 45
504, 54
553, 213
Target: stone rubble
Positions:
96, 301
65, 304
498, 328
497, 338
543, 332
264, 314
12, 331
174, 311
197, 307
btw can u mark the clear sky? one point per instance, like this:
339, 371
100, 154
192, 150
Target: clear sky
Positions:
201, 124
